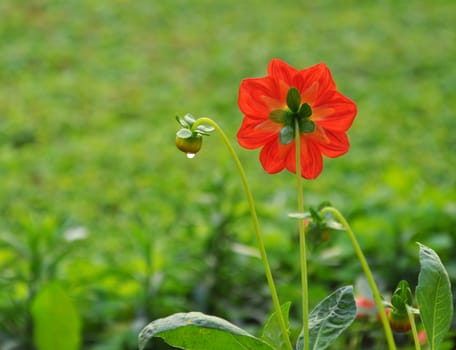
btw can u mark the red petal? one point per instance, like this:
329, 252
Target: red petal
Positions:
314, 81
281, 70
258, 97
249, 99
273, 156
254, 133
311, 159
332, 144
335, 112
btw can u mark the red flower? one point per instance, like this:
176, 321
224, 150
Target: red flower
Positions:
365, 307
273, 104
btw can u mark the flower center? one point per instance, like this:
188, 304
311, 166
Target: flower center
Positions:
296, 111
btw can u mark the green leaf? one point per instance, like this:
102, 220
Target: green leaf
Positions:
300, 216
55, 319
182, 122
402, 297
189, 119
306, 125
286, 135
197, 331
203, 128
271, 331
330, 318
280, 116
305, 111
184, 134
434, 296
293, 99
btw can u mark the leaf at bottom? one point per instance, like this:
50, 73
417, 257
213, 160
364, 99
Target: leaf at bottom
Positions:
197, 331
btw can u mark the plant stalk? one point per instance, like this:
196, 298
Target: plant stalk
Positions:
302, 243
367, 272
256, 227
411, 317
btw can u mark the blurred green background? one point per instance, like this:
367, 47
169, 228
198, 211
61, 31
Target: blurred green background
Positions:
94, 194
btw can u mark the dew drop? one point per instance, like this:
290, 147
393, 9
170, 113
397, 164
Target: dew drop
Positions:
191, 155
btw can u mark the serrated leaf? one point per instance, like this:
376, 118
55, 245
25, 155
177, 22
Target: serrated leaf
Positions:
434, 297
330, 318
55, 319
272, 333
197, 331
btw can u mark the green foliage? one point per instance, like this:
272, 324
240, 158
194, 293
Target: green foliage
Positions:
402, 297
271, 331
88, 93
197, 331
56, 320
293, 100
434, 297
330, 318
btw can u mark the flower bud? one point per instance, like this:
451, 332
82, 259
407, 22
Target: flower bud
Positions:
399, 322
189, 145
400, 305
190, 138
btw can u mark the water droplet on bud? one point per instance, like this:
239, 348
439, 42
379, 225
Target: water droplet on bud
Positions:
191, 155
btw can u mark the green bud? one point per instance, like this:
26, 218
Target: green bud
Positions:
399, 322
402, 299
189, 145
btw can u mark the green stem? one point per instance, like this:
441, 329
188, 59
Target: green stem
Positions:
256, 227
411, 317
302, 243
367, 272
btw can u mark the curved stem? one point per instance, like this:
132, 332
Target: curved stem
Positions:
367, 272
256, 227
411, 317
302, 243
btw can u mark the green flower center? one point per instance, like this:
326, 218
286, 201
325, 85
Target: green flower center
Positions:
296, 111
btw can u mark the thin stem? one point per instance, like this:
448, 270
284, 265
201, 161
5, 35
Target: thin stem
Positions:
256, 227
367, 272
302, 243
411, 317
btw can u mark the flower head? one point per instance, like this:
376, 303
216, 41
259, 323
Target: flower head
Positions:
401, 302
287, 99
190, 137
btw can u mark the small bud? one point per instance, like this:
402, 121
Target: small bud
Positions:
401, 302
399, 322
190, 137
190, 144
